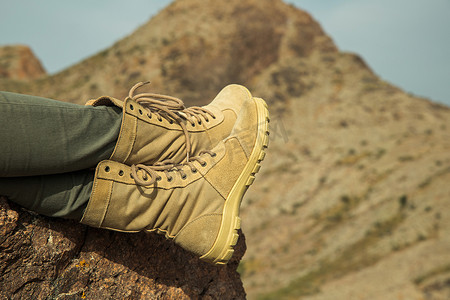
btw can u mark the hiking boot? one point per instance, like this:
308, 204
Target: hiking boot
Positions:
195, 203
158, 127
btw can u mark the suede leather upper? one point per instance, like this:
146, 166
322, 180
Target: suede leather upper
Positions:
198, 211
146, 139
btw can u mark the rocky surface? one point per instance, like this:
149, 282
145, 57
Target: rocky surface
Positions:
44, 258
353, 200
18, 62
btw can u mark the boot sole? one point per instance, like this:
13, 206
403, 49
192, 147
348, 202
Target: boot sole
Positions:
223, 248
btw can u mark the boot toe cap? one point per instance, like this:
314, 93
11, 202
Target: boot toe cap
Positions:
199, 235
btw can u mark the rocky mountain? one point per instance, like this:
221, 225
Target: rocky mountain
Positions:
353, 198
19, 62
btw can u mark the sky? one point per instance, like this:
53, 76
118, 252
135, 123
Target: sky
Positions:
405, 42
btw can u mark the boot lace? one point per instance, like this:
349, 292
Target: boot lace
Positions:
172, 109
145, 175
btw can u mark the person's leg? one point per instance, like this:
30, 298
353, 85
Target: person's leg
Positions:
61, 195
41, 136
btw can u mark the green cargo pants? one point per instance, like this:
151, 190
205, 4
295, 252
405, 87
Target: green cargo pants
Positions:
49, 149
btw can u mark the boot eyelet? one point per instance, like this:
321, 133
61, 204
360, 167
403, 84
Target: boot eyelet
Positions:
213, 154
199, 122
193, 124
203, 164
131, 107
107, 169
158, 178
140, 111
194, 170
170, 121
169, 179
214, 117
207, 120
183, 176
149, 116
121, 173
159, 119
145, 177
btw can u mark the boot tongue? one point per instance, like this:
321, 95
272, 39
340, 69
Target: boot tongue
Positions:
164, 107
105, 101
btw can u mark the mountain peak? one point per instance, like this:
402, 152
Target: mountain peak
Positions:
193, 48
18, 62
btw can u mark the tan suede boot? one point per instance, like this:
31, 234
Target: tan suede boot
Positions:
158, 127
196, 203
